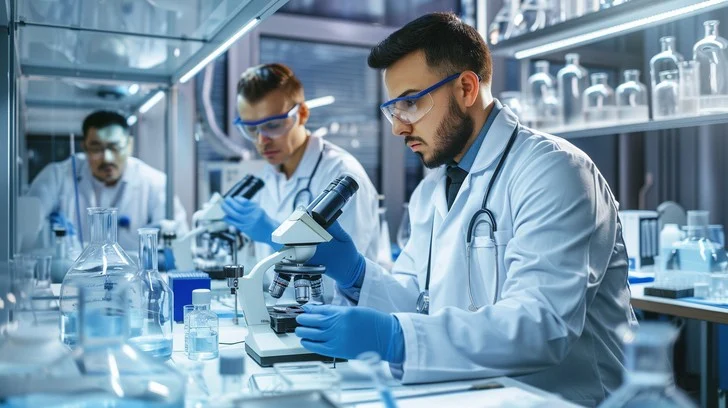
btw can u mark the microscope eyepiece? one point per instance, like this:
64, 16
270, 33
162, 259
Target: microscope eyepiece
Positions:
326, 208
247, 187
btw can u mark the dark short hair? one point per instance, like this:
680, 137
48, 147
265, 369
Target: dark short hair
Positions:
257, 82
101, 119
450, 46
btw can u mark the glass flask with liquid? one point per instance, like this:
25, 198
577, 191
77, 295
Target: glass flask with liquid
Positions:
540, 85
648, 377
632, 98
152, 300
599, 101
202, 336
666, 60
572, 81
104, 370
689, 87
666, 95
101, 267
711, 52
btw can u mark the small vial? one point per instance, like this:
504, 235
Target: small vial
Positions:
203, 324
232, 370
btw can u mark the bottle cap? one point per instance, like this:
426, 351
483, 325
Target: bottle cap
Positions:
201, 297
232, 362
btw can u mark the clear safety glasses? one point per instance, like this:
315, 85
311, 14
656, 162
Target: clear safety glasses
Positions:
271, 127
411, 108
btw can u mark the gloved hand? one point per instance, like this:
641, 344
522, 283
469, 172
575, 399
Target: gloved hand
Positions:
250, 219
343, 262
346, 332
58, 220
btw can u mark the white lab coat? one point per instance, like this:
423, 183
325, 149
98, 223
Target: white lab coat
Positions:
359, 218
562, 288
140, 197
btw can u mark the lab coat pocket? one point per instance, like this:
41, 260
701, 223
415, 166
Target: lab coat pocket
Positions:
483, 271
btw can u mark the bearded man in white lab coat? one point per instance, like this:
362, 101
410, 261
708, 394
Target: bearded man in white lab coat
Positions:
273, 115
531, 284
105, 175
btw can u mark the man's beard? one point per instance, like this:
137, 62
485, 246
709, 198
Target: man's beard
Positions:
451, 137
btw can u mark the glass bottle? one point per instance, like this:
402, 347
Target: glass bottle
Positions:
573, 79
540, 85
101, 267
599, 101
405, 229
202, 342
666, 95
104, 370
666, 60
152, 299
696, 256
632, 98
689, 87
648, 376
498, 27
711, 53
533, 15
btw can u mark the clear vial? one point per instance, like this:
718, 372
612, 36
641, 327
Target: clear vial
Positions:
232, 371
202, 341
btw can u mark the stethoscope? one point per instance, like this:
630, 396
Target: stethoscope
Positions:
483, 216
305, 196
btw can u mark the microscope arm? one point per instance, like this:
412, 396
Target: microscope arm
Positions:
182, 247
251, 285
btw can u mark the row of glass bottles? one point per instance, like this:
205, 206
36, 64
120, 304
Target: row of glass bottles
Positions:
518, 17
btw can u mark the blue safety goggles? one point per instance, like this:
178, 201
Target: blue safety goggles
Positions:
271, 127
411, 108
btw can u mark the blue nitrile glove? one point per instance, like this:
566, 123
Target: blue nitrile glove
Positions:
250, 220
58, 220
343, 262
346, 332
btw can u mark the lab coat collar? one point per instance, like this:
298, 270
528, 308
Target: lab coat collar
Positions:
495, 140
305, 166
130, 179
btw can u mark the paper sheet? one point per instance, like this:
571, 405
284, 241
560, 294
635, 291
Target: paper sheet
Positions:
502, 397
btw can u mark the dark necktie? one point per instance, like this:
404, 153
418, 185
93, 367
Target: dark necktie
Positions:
455, 177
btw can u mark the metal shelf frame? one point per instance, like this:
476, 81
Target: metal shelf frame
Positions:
629, 17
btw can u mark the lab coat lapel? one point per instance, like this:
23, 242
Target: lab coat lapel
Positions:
494, 144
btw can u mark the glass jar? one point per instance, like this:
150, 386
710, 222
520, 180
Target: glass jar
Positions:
666, 60
689, 87
632, 98
101, 267
599, 101
648, 376
711, 53
152, 300
540, 84
666, 95
572, 81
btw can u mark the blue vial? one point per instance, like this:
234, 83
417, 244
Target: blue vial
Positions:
203, 326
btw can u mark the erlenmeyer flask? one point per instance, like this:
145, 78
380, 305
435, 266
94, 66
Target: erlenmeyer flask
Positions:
104, 370
572, 81
405, 229
632, 98
648, 378
666, 60
152, 301
100, 268
711, 53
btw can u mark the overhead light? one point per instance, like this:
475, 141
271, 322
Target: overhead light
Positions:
319, 102
151, 102
133, 89
611, 31
131, 120
219, 50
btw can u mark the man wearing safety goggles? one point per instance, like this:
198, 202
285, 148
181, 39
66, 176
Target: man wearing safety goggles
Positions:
273, 116
515, 265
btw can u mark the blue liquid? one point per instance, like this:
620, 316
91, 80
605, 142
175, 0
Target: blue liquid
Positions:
154, 346
202, 343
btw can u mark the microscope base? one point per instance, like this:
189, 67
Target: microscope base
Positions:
267, 347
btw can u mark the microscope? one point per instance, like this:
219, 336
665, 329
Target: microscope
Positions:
299, 234
208, 223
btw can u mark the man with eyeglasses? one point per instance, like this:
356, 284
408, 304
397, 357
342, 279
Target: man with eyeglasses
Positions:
516, 264
273, 116
105, 175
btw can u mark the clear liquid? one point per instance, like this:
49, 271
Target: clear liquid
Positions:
105, 322
155, 346
202, 343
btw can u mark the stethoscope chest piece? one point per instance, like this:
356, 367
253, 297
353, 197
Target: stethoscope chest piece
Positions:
423, 302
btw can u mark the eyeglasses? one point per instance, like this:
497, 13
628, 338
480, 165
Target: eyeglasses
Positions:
99, 148
271, 127
411, 108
